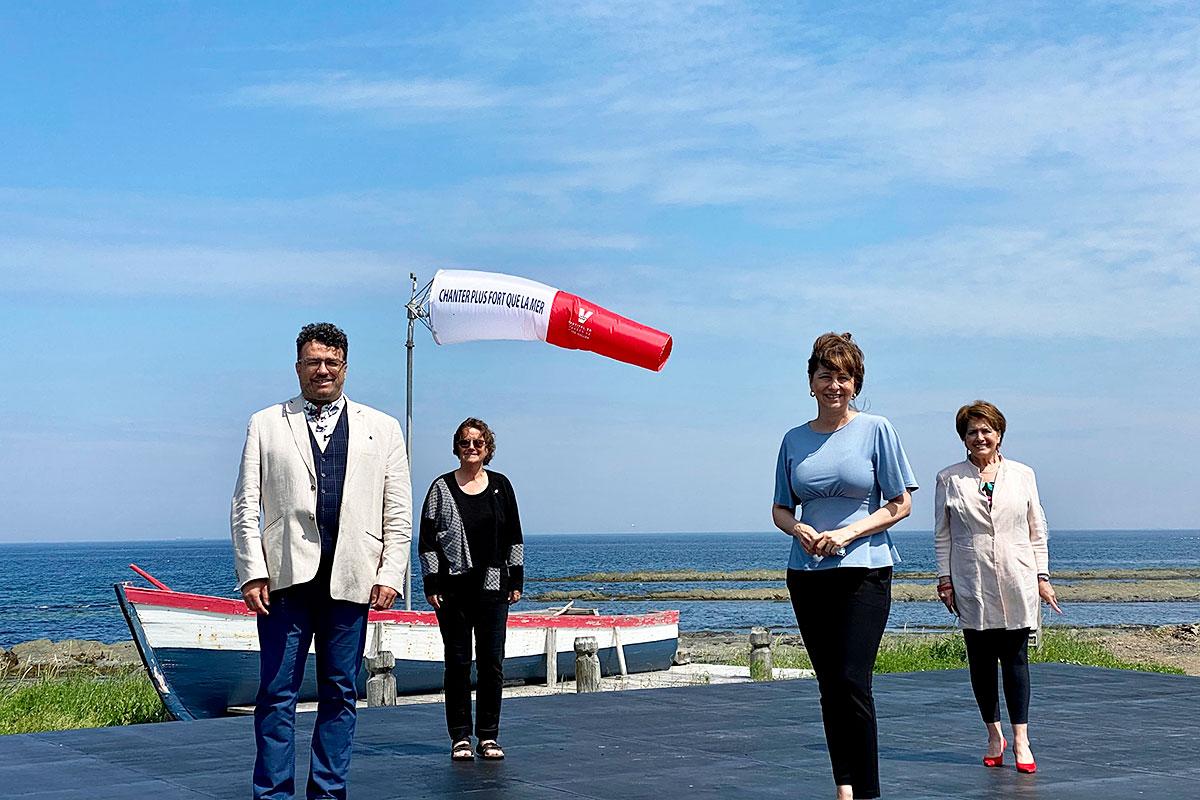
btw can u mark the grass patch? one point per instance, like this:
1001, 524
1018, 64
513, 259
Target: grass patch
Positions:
920, 653
65, 702
1068, 647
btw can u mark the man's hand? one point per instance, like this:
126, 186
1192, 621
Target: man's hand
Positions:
382, 597
514, 596
257, 594
434, 600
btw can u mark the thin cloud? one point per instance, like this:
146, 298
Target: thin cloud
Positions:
174, 270
343, 92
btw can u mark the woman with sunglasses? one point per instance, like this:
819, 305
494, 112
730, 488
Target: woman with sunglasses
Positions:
472, 562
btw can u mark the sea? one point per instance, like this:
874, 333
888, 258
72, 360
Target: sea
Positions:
65, 591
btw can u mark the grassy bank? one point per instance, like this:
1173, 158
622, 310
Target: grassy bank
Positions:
917, 653
78, 700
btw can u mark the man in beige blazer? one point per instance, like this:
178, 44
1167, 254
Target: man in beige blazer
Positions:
321, 523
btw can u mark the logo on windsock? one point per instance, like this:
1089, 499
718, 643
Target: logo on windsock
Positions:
466, 305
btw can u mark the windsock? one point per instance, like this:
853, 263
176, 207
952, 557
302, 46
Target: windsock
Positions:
469, 306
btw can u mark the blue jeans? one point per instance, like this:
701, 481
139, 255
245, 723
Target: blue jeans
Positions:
299, 615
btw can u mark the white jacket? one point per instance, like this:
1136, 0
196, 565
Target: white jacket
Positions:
273, 518
992, 555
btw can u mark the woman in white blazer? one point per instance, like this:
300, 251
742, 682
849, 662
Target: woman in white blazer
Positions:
993, 566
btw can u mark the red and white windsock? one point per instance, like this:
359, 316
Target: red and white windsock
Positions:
468, 306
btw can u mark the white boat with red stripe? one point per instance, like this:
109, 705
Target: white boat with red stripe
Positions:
201, 652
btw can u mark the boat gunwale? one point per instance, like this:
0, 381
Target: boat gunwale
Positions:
187, 601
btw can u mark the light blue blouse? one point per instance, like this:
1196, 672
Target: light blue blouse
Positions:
833, 479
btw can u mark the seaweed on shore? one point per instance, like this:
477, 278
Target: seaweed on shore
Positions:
696, 576
1082, 591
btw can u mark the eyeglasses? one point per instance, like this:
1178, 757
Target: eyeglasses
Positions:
478, 444
332, 364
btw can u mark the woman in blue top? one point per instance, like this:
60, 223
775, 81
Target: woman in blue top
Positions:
842, 480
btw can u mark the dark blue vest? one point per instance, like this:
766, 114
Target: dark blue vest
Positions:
331, 474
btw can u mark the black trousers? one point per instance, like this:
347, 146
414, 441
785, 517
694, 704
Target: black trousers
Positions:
1011, 649
467, 614
842, 613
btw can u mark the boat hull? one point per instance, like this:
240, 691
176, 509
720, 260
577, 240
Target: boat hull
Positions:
202, 652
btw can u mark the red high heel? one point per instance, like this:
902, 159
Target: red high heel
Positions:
997, 761
1028, 769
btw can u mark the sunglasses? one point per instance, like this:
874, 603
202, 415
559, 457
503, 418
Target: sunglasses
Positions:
478, 444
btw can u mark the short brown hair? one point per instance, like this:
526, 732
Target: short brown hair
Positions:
981, 410
838, 351
489, 438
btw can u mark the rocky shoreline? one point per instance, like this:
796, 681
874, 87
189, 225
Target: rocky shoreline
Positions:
43, 658
1173, 645
1079, 591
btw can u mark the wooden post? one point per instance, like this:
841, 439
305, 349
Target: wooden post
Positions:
551, 657
381, 685
620, 651
760, 654
587, 665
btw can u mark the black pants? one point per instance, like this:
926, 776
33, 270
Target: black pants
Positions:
483, 615
842, 613
1011, 649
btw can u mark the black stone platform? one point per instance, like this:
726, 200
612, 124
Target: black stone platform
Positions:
1098, 734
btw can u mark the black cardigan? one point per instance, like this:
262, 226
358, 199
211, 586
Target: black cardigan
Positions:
509, 555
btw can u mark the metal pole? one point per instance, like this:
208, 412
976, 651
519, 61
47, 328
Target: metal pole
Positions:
408, 404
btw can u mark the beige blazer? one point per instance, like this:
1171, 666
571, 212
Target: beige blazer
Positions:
274, 513
993, 556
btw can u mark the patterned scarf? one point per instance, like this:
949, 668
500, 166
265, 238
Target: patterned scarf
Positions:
322, 421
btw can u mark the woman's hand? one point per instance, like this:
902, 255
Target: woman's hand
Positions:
1046, 591
434, 600
945, 593
514, 596
808, 537
833, 543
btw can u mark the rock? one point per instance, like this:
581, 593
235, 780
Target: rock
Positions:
682, 656
43, 655
1189, 633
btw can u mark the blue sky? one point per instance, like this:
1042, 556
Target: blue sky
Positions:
999, 200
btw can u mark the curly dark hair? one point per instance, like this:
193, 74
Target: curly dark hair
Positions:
489, 438
326, 333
